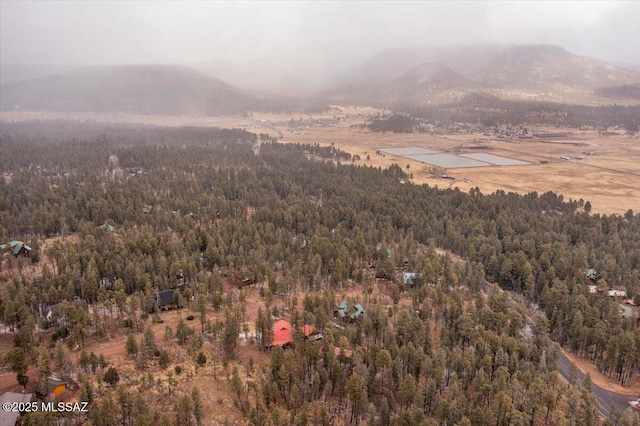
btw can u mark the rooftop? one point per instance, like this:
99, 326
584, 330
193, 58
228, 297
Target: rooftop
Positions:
9, 418
282, 333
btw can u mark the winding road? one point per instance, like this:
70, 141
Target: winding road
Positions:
603, 398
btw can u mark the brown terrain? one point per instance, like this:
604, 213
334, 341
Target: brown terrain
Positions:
609, 178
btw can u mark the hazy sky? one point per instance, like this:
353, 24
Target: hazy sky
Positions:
92, 32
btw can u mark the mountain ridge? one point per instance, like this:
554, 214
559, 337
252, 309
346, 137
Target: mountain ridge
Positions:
145, 89
517, 72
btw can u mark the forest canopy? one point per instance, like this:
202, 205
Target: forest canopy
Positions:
151, 204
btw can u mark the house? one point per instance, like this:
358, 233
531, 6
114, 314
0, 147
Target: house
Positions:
310, 333
247, 282
164, 299
10, 418
52, 389
282, 335
629, 311
591, 274
342, 310
106, 283
617, 293
409, 278
57, 311
17, 248
592, 289
107, 227
359, 310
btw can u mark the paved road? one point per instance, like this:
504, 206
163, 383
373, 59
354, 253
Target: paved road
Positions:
604, 399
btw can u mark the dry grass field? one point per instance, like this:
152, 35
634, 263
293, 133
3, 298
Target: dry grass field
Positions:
609, 179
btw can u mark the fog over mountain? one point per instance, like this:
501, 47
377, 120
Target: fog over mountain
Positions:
294, 46
141, 89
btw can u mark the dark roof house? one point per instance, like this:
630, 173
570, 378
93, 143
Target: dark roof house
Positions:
53, 388
164, 298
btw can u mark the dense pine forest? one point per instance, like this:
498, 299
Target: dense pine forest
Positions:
114, 214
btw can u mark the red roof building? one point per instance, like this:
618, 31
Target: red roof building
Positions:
311, 333
282, 335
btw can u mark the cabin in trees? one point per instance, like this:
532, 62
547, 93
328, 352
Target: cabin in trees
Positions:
409, 278
17, 248
57, 314
10, 418
53, 388
591, 274
310, 332
341, 310
617, 293
165, 299
344, 313
107, 227
282, 335
357, 312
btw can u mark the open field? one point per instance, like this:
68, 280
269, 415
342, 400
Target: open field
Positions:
609, 178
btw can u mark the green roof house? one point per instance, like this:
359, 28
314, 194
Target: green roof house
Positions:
18, 248
591, 274
359, 310
342, 310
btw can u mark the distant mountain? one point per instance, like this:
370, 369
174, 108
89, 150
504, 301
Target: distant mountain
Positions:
434, 76
538, 73
392, 63
522, 66
145, 89
423, 83
13, 73
632, 67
